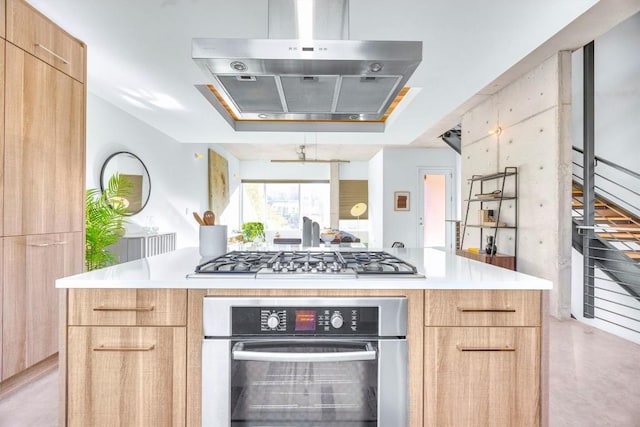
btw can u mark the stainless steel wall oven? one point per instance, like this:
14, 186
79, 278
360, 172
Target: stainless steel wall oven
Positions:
285, 361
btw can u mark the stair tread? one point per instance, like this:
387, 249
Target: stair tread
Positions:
633, 254
621, 235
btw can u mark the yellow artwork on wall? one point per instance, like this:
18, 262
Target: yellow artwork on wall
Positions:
218, 183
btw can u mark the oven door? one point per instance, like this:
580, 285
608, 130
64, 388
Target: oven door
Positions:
305, 382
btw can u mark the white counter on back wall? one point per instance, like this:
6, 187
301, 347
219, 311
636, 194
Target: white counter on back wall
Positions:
442, 270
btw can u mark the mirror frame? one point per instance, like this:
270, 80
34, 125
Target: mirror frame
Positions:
104, 166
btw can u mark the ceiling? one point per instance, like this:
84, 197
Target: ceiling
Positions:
139, 59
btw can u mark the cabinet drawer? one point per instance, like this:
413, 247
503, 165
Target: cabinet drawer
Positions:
127, 376
135, 307
482, 308
482, 377
36, 34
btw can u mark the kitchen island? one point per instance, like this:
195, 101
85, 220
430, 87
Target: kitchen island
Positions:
131, 338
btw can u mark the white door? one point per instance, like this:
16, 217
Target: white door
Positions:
435, 207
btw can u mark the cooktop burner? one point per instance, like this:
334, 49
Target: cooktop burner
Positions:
337, 264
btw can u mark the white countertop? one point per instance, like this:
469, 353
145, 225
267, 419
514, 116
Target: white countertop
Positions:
442, 270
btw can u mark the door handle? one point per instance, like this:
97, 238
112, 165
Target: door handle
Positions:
239, 353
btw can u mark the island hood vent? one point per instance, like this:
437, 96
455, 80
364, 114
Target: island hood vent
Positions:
318, 81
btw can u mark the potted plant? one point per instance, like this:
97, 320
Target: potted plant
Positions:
253, 232
105, 218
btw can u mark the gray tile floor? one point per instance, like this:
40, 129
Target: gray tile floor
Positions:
594, 382
594, 377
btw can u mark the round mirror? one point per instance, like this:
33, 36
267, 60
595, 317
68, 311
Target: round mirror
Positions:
135, 176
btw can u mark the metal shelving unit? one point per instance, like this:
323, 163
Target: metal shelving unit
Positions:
492, 230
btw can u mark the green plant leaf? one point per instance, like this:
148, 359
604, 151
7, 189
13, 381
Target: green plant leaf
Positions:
104, 221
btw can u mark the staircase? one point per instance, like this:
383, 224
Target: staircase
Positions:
615, 226
616, 244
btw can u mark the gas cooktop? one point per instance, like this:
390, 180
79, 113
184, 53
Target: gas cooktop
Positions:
309, 264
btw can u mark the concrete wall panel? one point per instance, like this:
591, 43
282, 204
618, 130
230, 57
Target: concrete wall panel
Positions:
478, 158
534, 92
534, 118
480, 121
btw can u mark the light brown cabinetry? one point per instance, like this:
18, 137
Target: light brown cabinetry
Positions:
34, 33
44, 148
1, 288
482, 354
30, 312
482, 308
2, 19
2, 48
126, 357
481, 376
42, 164
130, 307
126, 376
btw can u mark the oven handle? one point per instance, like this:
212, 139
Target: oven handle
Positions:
239, 353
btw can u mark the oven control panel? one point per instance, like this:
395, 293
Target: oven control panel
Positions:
304, 321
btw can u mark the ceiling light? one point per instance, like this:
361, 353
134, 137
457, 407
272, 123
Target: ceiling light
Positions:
496, 131
354, 116
263, 116
239, 66
375, 67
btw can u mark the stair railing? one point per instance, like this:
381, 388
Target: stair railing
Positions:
613, 181
614, 296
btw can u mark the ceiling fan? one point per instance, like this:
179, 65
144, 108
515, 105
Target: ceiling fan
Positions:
302, 158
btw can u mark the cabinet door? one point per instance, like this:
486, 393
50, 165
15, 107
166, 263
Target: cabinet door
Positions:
36, 34
2, 47
30, 299
2, 19
44, 148
1, 289
482, 377
127, 376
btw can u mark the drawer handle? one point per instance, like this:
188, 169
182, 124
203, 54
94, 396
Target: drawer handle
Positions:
44, 245
505, 348
486, 310
136, 309
103, 348
52, 53
41, 245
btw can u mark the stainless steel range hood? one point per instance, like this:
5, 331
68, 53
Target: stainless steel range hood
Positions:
305, 84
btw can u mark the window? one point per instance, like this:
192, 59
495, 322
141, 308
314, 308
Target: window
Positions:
281, 205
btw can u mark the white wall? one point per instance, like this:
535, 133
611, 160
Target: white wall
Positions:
354, 170
534, 115
179, 182
396, 169
376, 209
264, 169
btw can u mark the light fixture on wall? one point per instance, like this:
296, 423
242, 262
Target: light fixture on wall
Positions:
496, 131
198, 155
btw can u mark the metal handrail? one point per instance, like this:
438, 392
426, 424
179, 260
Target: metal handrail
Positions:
610, 163
621, 271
